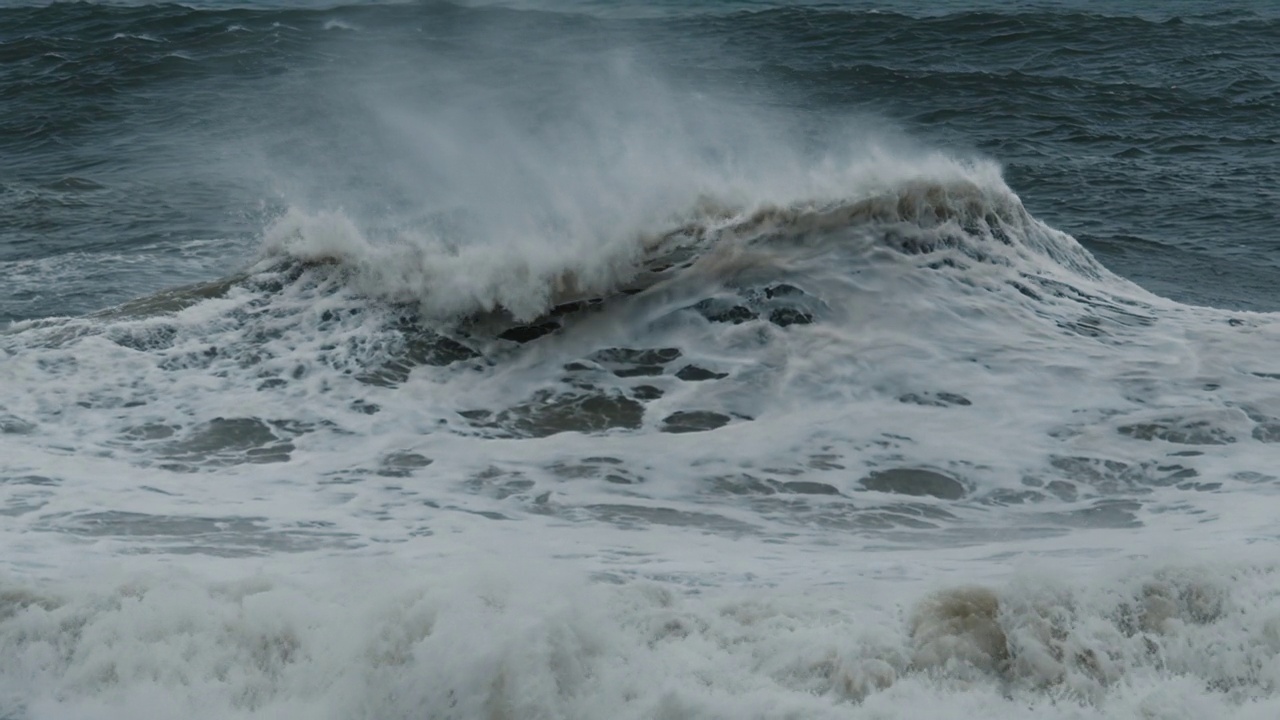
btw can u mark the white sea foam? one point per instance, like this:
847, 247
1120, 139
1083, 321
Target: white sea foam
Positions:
505, 640
285, 495
132, 437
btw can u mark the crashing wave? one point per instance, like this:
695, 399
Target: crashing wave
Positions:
980, 218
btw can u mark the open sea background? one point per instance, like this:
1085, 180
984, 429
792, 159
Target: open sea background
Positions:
672, 360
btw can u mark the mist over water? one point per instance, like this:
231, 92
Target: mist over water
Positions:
578, 360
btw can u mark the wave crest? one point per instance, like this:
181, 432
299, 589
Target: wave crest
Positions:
964, 207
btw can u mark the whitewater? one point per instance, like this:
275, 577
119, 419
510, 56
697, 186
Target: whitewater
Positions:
602, 396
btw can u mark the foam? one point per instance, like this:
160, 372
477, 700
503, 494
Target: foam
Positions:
530, 273
307, 503
513, 582
501, 640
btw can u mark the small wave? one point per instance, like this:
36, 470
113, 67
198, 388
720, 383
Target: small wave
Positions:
72, 183
136, 36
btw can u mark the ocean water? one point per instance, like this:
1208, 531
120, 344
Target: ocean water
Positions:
664, 360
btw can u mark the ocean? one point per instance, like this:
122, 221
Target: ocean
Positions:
678, 360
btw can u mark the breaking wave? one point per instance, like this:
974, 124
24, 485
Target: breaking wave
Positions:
940, 206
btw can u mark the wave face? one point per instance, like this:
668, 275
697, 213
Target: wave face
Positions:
581, 360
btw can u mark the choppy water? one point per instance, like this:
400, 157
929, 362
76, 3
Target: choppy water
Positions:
591, 360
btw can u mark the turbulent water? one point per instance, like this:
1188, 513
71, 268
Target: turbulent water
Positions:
661, 360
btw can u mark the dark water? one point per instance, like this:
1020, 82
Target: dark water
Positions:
145, 145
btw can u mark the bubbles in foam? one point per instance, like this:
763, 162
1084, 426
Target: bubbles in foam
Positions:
823, 398
940, 202
517, 643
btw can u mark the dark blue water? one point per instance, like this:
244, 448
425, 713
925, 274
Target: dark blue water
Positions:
145, 146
